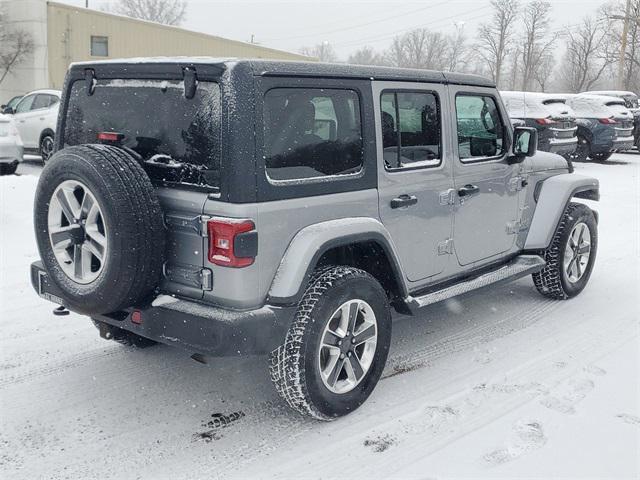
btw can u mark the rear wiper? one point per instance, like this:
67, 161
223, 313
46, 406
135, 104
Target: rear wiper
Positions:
190, 82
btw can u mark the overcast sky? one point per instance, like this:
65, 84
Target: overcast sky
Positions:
347, 24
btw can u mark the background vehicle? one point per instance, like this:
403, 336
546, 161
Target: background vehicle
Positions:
10, 105
361, 189
605, 125
11, 149
631, 102
36, 115
549, 115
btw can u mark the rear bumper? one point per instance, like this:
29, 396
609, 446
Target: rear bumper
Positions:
193, 326
11, 153
562, 145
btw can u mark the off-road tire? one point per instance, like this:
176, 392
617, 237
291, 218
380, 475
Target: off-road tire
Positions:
294, 365
124, 337
135, 231
552, 281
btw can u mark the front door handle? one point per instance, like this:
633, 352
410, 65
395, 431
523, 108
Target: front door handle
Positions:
404, 201
468, 190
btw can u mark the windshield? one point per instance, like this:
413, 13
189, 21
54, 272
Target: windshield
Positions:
157, 121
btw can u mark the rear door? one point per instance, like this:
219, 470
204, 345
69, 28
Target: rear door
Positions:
487, 186
414, 175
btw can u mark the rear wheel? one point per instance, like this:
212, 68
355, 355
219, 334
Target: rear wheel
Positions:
571, 255
601, 157
8, 168
582, 150
337, 345
46, 147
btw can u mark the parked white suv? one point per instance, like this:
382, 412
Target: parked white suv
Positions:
35, 118
10, 146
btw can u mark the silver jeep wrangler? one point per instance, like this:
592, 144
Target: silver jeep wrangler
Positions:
236, 207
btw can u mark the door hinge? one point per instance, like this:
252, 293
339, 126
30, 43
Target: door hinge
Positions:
446, 247
448, 197
187, 223
189, 275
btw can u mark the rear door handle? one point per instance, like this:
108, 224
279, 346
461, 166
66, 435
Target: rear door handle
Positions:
404, 201
468, 190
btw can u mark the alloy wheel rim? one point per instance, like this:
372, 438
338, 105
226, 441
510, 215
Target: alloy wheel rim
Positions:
77, 232
348, 346
577, 252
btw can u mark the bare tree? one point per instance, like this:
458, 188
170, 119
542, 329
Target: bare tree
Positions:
587, 57
495, 37
537, 40
420, 48
616, 12
15, 47
366, 56
322, 51
169, 12
542, 74
456, 51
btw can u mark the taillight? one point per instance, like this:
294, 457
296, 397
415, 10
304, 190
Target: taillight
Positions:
110, 137
607, 121
545, 121
232, 242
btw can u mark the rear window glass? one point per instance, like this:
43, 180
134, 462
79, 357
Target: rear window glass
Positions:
174, 135
312, 133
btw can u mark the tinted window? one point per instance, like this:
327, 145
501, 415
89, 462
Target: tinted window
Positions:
312, 133
480, 128
99, 46
25, 104
410, 129
157, 121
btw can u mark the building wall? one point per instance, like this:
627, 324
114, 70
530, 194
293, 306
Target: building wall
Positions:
70, 30
31, 16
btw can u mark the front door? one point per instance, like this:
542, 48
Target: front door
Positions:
415, 182
487, 186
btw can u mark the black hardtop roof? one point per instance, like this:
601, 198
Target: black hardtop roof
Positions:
274, 68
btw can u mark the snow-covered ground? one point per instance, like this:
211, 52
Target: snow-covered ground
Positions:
499, 383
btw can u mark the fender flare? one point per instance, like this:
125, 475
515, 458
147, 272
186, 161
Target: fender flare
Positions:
310, 243
552, 196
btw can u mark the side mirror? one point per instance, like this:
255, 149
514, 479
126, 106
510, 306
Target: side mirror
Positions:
525, 143
7, 110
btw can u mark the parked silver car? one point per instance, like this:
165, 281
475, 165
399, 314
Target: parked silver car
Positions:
242, 207
11, 148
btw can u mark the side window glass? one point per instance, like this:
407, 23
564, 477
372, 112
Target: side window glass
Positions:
25, 104
411, 130
480, 128
312, 133
53, 100
41, 101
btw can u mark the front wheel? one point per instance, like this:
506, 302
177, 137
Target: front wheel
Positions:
571, 255
337, 345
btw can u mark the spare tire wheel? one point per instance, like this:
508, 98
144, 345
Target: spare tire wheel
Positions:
99, 228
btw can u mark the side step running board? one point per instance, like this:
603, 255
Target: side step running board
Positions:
519, 267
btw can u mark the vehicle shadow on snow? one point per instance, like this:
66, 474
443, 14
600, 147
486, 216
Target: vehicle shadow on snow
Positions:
202, 402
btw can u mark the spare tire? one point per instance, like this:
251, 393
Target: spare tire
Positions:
99, 228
